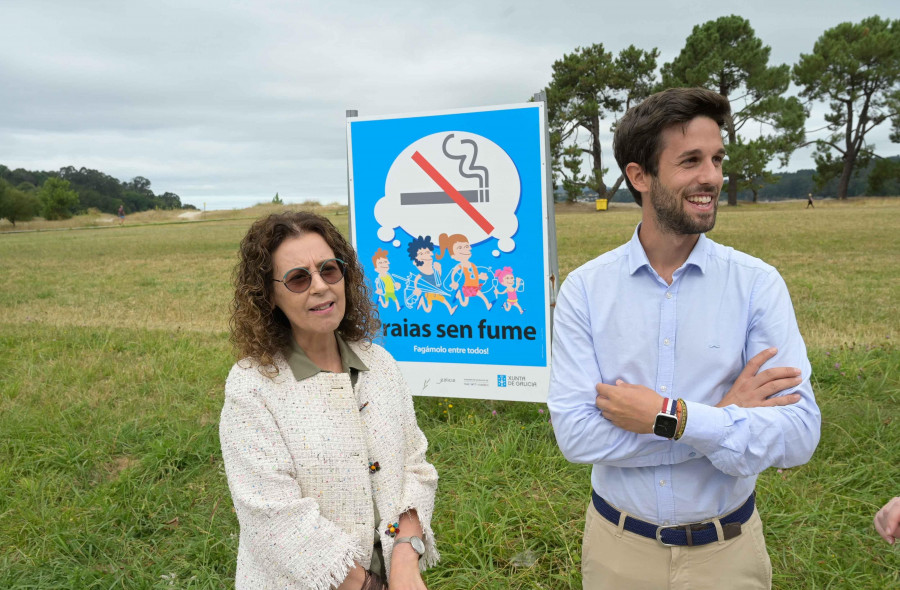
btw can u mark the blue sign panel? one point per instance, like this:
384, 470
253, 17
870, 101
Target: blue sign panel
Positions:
449, 219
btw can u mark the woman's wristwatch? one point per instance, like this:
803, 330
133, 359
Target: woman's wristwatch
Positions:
417, 544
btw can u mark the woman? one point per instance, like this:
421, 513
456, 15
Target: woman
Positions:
324, 459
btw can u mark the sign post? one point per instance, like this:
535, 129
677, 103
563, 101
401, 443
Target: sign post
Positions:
451, 220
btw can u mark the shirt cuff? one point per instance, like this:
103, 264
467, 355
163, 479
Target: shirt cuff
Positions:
705, 428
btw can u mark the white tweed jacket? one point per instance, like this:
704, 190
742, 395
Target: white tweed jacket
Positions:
297, 458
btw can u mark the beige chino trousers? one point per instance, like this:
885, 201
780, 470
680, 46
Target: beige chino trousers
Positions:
615, 559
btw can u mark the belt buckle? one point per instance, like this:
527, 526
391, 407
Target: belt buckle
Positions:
659, 531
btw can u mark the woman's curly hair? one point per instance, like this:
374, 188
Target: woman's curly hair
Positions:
259, 330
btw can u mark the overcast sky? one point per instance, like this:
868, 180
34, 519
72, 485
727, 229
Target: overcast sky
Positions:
226, 103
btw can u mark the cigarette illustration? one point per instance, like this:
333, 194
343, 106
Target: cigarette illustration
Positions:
437, 197
479, 195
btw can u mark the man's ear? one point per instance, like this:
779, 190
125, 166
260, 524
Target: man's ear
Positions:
639, 179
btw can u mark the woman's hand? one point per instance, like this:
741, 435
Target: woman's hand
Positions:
405, 573
355, 579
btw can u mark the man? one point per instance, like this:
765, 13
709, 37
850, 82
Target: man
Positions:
650, 345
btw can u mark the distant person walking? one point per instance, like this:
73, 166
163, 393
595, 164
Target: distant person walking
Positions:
121, 215
809, 201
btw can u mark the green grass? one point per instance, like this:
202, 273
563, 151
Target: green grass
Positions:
113, 355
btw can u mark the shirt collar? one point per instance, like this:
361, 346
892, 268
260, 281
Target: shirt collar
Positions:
637, 257
698, 255
303, 368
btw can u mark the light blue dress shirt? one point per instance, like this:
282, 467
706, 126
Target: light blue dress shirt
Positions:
616, 318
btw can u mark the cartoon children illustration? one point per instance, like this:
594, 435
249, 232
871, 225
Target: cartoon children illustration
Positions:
384, 283
457, 245
427, 284
508, 281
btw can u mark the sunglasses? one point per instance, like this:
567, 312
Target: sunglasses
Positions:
298, 280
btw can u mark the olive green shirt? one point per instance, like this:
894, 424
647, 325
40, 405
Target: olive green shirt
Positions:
303, 368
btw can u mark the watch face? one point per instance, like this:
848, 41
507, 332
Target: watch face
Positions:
418, 545
665, 426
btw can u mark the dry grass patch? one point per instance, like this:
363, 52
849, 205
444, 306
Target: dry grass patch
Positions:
113, 468
175, 277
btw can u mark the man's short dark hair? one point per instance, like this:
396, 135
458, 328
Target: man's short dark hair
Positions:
637, 137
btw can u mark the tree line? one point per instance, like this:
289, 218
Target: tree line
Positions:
25, 194
853, 68
790, 185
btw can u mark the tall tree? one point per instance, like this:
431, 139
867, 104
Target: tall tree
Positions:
94, 188
19, 175
17, 205
139, 184
856, 69
752, 157
58, 200
726, 55
883, 172
588, 86
168, 201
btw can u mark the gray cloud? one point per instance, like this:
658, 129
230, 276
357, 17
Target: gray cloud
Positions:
227, 102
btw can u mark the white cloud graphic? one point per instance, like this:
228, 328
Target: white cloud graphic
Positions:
480, 170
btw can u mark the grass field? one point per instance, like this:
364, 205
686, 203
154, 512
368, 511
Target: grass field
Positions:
113, 355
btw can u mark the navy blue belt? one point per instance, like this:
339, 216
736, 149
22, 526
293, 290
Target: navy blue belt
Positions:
701, 533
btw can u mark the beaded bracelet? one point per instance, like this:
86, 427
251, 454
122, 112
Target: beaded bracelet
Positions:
683, 422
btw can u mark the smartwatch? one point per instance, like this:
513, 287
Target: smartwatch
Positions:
417, 544
666, 423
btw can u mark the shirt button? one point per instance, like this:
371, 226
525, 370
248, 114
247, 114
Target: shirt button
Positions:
666, 522
663, 388
668, 295
666, 341
692, 454
662, 483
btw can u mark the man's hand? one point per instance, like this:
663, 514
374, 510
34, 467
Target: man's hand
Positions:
887, 521
754, 389
630, 407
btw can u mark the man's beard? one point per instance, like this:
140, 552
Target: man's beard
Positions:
669, 208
